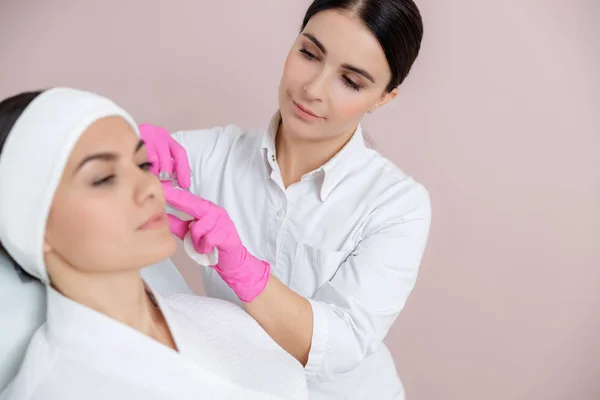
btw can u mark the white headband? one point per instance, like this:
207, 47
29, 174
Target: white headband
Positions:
32, 162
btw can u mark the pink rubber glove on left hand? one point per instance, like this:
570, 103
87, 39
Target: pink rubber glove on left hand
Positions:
165, 154
212, 227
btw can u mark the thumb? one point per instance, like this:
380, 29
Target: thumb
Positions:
177, 226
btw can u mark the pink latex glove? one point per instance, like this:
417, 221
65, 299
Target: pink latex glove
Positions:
212, 227
165, 154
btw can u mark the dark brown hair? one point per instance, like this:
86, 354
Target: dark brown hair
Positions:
10, 110
397, 25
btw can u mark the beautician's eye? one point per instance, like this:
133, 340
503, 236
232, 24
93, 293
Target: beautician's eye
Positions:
146, 165
351, 84
308, 55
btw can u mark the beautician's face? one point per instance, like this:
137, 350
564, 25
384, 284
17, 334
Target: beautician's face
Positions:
335, 70
108, 213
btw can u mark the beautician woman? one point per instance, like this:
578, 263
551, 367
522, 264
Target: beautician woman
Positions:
332, 232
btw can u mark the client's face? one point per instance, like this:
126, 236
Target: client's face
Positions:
108, 213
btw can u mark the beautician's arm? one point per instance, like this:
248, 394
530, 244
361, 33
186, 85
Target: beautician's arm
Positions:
350, 315
286, 316
206, 151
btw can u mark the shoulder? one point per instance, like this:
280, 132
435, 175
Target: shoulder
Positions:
23, 309
207, 307
231, 331
392, 190
218, 138
228, 322
223, 316
35, 372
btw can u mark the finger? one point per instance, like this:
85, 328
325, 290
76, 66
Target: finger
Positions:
145, 133
156, 139
165, 186
205, 234
200, 229
165, 163
200, 234
178, 227
154, 163
185, 201
181, 163
204, 246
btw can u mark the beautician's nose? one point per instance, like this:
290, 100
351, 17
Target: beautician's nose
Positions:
315, 87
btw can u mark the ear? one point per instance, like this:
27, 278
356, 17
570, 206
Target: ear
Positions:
384, 99
47, 248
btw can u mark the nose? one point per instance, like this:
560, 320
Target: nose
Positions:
315, 88
147, 187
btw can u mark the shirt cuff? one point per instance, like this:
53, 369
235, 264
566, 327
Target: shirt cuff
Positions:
319, 345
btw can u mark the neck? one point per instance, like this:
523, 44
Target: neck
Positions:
121, 296
297, 157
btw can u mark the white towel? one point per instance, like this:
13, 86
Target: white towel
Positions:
46, 132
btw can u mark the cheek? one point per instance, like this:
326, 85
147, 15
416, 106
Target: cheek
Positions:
296, 72
77, 229
348, 104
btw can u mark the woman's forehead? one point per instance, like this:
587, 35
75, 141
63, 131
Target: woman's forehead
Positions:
348, 40
110, 134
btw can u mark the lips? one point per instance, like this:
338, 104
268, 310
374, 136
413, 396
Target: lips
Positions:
306, 110
157, 220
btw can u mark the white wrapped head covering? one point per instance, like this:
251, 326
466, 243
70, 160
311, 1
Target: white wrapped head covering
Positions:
32, 162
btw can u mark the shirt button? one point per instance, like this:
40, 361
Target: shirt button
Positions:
280, 214
273, 157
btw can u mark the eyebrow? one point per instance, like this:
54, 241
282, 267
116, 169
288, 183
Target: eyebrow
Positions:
139, 145
316, 41
106, 156
359, 71
349, 67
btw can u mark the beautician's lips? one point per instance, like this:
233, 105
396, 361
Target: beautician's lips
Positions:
306, 110
156, 221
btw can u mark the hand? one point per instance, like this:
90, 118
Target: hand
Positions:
212, 227
165, 153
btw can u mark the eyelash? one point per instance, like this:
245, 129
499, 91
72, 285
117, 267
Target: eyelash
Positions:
350, 84
347, 81
145, 166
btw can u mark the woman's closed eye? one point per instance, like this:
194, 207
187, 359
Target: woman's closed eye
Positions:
308, 55
104, 180
108, 179
351, 84
146, 165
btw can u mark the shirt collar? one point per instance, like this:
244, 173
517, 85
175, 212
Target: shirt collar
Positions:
69, 321
268, 140
334, 170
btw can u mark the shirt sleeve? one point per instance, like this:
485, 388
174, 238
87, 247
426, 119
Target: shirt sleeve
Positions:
353, 312
207, 150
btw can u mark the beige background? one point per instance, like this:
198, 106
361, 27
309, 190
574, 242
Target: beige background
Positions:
499, 118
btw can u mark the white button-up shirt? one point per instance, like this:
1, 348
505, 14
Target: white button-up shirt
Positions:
349, 237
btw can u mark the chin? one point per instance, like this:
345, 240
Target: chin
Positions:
297, 128
158, 250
